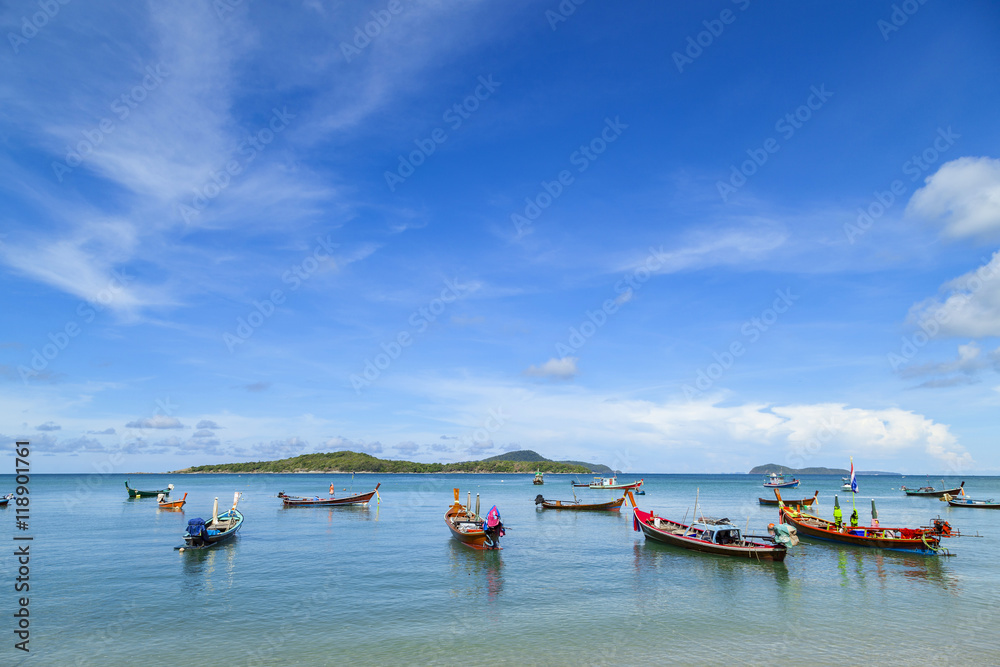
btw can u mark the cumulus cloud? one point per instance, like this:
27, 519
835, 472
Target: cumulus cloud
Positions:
203, 433
968, 306
341, 443
560, 369
964, 196
407, 448
107, 431
156, 421
48, 426
207, 423
970, 362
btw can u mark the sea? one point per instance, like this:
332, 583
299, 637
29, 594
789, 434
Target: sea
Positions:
387, 585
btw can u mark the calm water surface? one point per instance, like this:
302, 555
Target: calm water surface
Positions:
386, 585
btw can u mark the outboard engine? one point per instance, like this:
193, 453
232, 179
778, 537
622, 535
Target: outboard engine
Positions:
197, 531
539, 499
493, 528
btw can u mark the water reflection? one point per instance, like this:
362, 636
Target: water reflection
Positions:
884, 564
482, 570
214, 568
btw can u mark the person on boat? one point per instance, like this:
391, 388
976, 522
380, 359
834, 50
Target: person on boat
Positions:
838, 517
854, 519
332, 494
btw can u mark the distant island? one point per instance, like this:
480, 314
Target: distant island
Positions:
524, 460
769, 468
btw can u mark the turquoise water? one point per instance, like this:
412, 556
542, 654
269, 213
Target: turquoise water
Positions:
386, 585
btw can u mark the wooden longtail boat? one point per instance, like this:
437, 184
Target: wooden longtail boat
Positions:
925, 540
6, 499
175, 505
469, 528
136, 493
611, 505
608, 483
221, 527
539, 478
776, 481
356, 499
774, 501
931, 492
962, 501
713, 536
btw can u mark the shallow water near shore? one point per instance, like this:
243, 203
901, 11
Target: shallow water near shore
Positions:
386, 584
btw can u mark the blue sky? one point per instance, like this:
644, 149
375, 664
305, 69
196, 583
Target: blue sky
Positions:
667, 237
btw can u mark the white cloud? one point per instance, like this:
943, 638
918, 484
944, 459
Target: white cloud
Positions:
156, 421
560, 369
964, 195
969, 305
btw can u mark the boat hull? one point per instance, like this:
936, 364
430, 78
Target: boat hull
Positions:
357, 499
782, 485
774, 501
932, 494
752, 550
136, 493
981, 504
467, 528
610, 506
872, 536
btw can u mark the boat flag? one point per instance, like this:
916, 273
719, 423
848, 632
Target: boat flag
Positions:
854, 482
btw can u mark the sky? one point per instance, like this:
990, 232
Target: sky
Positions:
661, 236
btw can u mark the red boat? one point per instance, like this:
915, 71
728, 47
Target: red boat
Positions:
925, 540
299, 501
175, 505
471, 529
714, 536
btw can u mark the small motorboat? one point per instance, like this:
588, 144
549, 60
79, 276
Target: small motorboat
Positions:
539, 478
608, 483
6, 499
712, 536
776, 481
610, 505
203, 535
471, 529
163, 504
136, 493
356, 499
964, 501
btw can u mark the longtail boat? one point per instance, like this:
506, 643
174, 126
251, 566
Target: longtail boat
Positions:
924, 540
611, 505
471, 529
776, 481
931, 492
136, 493
300, 501
539, 478
203, 535
608, 483
6, 499
805, 501
963, 501
175, 505
713, 536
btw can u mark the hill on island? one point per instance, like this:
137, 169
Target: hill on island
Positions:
768, 468
345, 461
529, 455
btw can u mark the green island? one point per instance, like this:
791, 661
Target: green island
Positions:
769, 468
525, 461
